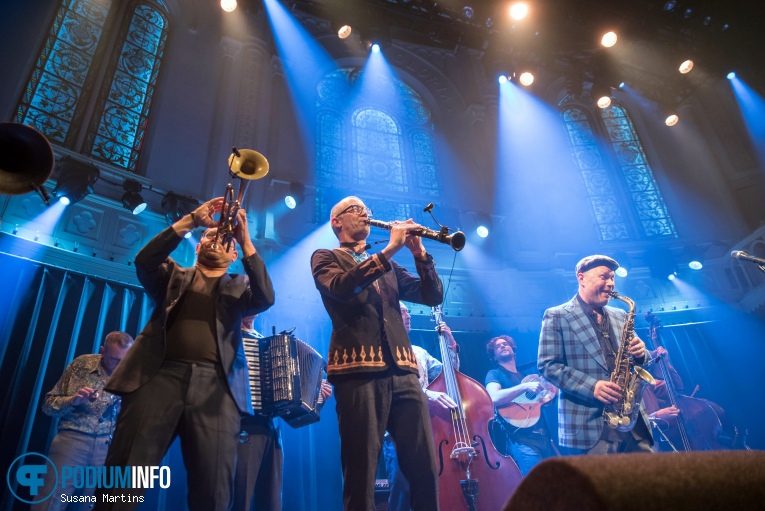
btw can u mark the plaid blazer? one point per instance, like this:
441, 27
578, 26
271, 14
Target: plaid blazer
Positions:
571, 358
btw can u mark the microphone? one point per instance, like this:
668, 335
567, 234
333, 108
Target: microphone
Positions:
428, 208
743, 256
236, 152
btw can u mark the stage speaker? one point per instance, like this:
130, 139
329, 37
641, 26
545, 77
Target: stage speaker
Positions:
708, 480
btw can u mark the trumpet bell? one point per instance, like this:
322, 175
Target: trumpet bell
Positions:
249, 165
26, 159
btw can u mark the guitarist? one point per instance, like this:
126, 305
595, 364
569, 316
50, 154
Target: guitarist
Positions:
530, 439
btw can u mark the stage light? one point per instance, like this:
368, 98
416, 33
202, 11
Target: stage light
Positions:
609, 39
672, 276
131, 199
687, 13
468, 12
296, 196
519, 11
671, 120
375, 48
483, 225
670, 5
526, 79
75, 180
621, 272
502, 79
622, 85
344, 31
604, 102
695, 265
228, 5
731, 75
176, 207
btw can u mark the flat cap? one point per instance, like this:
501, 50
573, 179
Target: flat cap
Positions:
594, 261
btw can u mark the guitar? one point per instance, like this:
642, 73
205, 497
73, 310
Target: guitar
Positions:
526, 409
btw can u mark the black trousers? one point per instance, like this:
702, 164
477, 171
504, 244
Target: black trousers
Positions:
367, 405
259, 463
191, 401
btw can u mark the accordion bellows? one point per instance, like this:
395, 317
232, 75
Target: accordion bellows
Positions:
285, 378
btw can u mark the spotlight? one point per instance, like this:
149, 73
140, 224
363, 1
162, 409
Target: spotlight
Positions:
670, 5
296, 196
519, 11
131, 199
75, 180
621, 272
176, 207
468, 12
695, 265
731, 75
484, 225
526, 79
671, 120
502, 79
662, 264
609, 39
375, 48
686, 66
687, 13
344, 31
604, 102
228, 5
625, 263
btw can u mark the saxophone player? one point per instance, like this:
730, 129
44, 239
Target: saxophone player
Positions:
578, 347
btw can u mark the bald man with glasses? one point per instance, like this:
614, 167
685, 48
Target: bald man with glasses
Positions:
371, 362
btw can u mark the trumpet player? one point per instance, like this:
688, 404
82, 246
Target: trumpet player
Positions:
371, 363
577, 353
186, 374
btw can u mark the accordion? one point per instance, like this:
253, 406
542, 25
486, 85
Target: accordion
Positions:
285, 378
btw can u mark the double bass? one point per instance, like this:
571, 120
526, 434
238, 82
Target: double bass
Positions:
472, 474
697, 427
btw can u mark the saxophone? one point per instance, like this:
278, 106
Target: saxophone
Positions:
631, 378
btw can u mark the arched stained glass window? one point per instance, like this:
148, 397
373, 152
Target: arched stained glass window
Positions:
55, 90
625, 199
381, 149
60, 98
641, 186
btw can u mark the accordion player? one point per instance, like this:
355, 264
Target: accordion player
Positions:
285, 377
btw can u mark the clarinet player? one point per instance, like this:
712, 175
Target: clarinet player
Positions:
371, 362
577, 353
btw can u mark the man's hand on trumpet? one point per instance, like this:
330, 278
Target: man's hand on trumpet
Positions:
242, 234
200, 217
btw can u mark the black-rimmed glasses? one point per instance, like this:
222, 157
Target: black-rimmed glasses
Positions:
356, 208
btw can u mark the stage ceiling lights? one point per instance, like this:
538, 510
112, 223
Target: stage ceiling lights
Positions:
175, 206
526, 78
662, 264
483, 225
625, 264
519, 10
608, 39
131, 199
228, 5
296, 196
75, 180
686, 67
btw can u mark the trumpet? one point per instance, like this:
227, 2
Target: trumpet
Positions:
246, 165
456, 240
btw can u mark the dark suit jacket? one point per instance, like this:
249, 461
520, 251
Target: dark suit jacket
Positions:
362, 301
165, 281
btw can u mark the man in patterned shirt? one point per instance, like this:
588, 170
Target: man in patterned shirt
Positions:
86, 414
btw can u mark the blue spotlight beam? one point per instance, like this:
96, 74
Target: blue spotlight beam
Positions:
304, 62
752, 107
